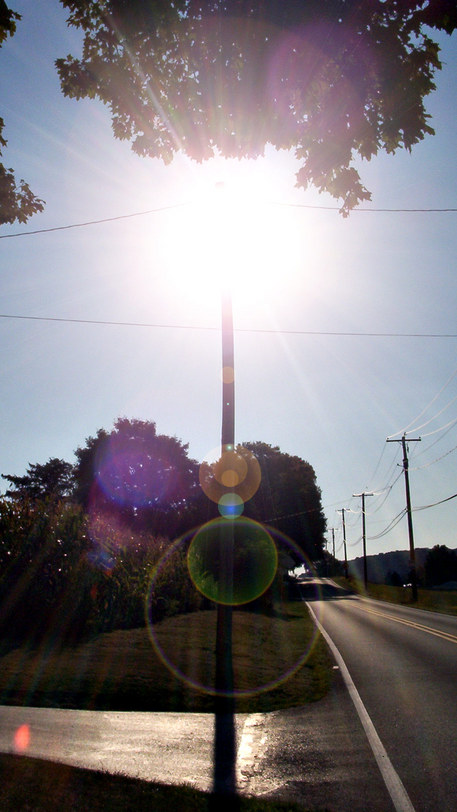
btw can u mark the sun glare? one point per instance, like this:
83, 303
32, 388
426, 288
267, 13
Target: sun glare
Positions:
232, 235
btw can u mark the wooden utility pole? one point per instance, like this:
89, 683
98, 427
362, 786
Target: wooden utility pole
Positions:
344, 543
412, 553
225, 742
364, 537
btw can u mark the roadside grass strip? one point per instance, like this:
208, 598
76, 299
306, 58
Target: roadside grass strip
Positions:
279, 662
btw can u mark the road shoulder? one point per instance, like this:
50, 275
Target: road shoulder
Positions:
317, 755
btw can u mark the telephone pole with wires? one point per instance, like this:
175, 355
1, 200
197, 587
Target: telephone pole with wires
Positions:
364, 537
412, 554
342, 511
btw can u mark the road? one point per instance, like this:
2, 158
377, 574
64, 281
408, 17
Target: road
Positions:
403, 662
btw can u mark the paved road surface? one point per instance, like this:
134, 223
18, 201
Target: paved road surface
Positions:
403, 662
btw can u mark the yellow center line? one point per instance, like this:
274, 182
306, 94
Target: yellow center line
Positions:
452, 638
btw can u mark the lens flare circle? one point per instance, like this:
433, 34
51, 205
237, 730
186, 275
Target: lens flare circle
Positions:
235, 471
230, 505
180, 661
232, 562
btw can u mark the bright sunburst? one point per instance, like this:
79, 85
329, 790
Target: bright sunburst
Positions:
232, 234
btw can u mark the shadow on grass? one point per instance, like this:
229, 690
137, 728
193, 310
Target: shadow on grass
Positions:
42, 786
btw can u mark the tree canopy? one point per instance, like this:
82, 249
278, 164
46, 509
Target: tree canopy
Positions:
144, 477
440, 565
17, 202
53, 479
78, 543
335, 80
288, 498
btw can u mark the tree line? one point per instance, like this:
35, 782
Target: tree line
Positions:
435, 567
334, 81
79, 541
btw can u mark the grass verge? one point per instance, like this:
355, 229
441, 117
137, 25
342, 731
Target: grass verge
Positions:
279, 662
431, 599
28, 784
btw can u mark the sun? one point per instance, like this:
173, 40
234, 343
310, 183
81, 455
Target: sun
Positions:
231, 236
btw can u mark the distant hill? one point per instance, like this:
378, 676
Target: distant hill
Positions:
378, 566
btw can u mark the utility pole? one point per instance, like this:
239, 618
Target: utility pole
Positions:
344, 542
364, 537
224, 738
333, 539
412, 554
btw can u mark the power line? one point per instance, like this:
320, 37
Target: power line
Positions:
438, 440
448, 425
92, 222
105, 322
388, 491
435, 397
378, 463
441, 502
390, 526
431, 419
370, 210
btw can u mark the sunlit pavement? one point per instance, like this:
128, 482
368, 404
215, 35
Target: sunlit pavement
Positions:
168, 747
316, 755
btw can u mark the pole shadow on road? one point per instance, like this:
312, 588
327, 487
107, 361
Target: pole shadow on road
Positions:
224, 791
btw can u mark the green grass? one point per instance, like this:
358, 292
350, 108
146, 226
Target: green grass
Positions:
28, 784
434, 600
279, 662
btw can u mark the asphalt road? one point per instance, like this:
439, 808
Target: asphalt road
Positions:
403, 663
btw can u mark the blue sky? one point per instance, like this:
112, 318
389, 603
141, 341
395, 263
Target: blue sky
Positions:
330, 399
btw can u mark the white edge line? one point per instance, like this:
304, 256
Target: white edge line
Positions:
392, 780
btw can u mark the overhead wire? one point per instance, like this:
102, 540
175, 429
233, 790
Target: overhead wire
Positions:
438, 459
448, 425
84, 224
93, 222
434, 504
431, 419
388, 492
390, 526
156, 325
435, 397
438, 440
426, 448
367, 209
378, 463
389, 484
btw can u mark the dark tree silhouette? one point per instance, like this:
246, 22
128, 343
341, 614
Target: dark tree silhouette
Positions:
336, 80
145, 478
288, 498
440, 565
53, 479
17, 202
